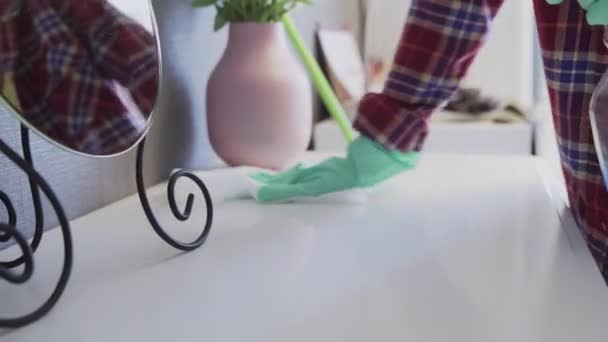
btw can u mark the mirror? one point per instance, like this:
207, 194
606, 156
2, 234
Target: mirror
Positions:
83, 74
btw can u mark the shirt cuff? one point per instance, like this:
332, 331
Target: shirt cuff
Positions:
392, 124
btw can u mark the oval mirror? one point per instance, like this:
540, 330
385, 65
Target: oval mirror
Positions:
83, 74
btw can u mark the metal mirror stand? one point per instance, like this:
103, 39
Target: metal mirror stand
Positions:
8, 231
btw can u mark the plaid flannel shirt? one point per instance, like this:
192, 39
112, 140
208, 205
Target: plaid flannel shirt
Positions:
438, 44
85, 74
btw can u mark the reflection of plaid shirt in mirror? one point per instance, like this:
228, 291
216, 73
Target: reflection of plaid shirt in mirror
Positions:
86, 75
441, 39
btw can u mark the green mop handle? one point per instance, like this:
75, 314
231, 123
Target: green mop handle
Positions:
320, 82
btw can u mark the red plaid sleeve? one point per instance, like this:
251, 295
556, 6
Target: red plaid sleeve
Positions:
575, 58
121, 48
439, 42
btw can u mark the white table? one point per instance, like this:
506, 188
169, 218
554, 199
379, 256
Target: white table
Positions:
460, 249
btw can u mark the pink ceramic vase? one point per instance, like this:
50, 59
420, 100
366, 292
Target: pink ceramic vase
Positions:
259, 99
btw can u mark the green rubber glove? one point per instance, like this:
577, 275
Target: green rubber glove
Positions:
596, 10
366, 164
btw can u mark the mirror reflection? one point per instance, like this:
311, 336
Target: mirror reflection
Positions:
82, 73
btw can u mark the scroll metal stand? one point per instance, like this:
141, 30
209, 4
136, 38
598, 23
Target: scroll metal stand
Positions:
8, 230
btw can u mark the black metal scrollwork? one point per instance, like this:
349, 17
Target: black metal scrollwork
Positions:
9, 231
182, 216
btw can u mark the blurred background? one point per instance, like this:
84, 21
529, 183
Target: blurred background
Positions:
354, 40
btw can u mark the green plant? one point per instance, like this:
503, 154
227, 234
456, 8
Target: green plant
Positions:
248, 10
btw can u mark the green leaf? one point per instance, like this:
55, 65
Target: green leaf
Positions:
249, 10
234, 12
219, 22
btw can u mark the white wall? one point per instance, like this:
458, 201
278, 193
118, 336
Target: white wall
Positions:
503, 68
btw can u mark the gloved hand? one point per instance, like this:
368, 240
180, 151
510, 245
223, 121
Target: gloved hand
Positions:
597, 10
366, 164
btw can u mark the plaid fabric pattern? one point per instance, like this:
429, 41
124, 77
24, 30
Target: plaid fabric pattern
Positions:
437, 47
85, 74
438, 44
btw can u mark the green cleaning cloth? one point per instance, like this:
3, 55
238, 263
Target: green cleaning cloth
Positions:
366, 165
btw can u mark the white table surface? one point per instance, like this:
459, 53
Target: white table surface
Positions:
460, 249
